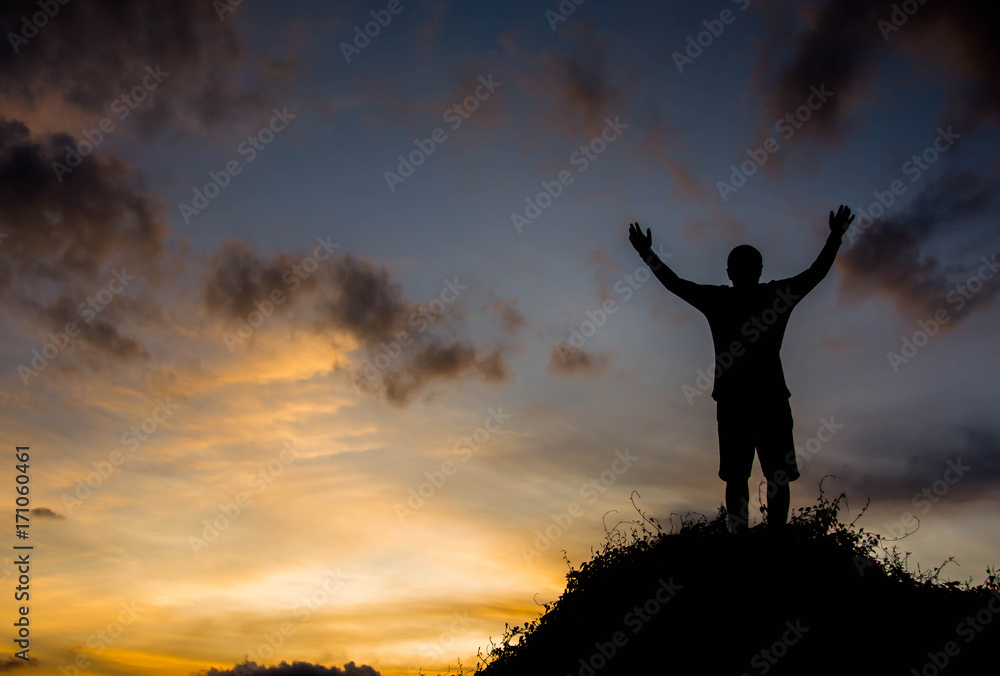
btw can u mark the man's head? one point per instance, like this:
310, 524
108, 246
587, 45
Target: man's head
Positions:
745, 264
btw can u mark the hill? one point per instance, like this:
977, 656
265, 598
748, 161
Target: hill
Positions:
825, 597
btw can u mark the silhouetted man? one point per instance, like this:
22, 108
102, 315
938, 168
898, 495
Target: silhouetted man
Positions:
748, 321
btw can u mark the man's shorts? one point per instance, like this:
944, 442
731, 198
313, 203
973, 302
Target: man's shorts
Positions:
765, 425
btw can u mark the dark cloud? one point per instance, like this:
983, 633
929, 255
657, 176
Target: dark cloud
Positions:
577, 87
841, 44
348, 293
10, 663
73, 223
90, 53
68, 235
293, 669
603, 267
46, 513
362, 298
404, 346
567, 361
510, 316
433, 25
970, 456
586, 90
444, 361
101, 333
236, 277
665, 149
893, 257
566, 90
832, 49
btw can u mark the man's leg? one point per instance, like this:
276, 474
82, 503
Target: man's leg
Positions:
736, 451
777, 459
738, 505
779, 497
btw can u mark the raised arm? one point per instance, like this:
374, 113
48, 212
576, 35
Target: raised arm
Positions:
804, 282
686, 290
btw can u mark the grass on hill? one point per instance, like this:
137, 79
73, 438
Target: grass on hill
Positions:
824, 597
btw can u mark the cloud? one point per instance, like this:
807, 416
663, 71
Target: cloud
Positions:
67, 238
361, 298
404, 347
77, 223
90, 53
972, 451
663, 148
11, 663
293, 669
575, 87
831, 48
841, 43
433, 25
450, 360
566, 90
236, 277
602, 265
568, 361
891, 257
510, 316
46, 513
349, 294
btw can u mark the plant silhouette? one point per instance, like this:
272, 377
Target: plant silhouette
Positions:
826, 598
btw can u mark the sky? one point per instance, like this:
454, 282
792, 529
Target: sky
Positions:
324, 332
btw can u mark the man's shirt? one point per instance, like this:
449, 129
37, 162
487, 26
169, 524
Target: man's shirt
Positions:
748, 324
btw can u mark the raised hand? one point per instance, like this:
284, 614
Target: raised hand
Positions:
641, 243
842, 221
